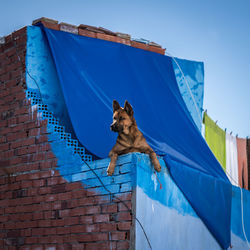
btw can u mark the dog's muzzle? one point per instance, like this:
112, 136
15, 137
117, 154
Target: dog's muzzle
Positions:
114, 127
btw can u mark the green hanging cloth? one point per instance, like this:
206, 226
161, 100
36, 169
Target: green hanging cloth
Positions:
216, 139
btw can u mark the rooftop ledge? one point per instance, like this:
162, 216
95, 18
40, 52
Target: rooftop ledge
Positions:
133, 171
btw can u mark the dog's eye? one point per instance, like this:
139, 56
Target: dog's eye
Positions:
121, 118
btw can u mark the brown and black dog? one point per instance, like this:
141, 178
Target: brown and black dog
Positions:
129, 139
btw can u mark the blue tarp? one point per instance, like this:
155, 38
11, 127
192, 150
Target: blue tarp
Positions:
194, 77
93, 72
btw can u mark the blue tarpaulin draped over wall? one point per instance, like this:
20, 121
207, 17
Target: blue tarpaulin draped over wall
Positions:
93, 72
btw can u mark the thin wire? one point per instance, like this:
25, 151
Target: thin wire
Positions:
114, 196
111, 195
197, 109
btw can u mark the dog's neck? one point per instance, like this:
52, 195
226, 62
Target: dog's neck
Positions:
130, 137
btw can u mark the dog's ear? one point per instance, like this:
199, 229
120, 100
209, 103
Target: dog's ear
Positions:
128, 108
116, 105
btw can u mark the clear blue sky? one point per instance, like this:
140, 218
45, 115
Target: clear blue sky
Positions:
215, 32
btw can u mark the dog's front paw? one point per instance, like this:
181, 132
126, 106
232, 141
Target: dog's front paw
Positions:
110, 170
157, 167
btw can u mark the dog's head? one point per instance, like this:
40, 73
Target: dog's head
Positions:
123, 118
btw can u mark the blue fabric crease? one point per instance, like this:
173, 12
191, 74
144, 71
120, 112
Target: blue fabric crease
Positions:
93, 72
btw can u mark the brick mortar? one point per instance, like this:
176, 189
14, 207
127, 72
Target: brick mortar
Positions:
38, 207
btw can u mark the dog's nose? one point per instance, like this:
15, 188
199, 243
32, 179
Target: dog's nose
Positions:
113, 127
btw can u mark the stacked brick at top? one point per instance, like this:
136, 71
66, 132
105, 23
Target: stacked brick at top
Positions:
38, 208
100, 33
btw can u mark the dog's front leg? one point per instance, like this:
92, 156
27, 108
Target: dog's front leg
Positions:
111, 168
155, 161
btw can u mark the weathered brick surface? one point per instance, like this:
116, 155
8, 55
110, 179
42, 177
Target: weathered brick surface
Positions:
38, 208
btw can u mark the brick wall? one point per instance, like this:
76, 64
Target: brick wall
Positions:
39, 209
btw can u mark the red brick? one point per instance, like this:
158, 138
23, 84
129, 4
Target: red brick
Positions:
4, 146
156, 49
109, 208
106, 37
77, 211
26, 224
50, 231
87, 33
20, 96
4, 163
92, 209
45, 174
25, 183
71, 221
107, 245
87, 201
10, 210
31, 240
46, 206
123, 207
118, 235
38, 183
23, 118
123, 216
124, 197
124, 225
33, 192
58, 223
93, 237
139, 45
7, 154
49, 25
3, 218
53, 181
121, 245
78, 193
65, 213
107, 227
20, 32
37, 216
38, 231
72, 203
5, 77
15, 160
101, 218
49, 215
26, 200
39, 156
41, 139
26, 216
44, 190
44, 223
65, 196
58, 188
87, 219
78, 229
63, 230
58, 239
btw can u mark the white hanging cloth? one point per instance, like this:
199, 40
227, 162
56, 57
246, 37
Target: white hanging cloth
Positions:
232, 159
